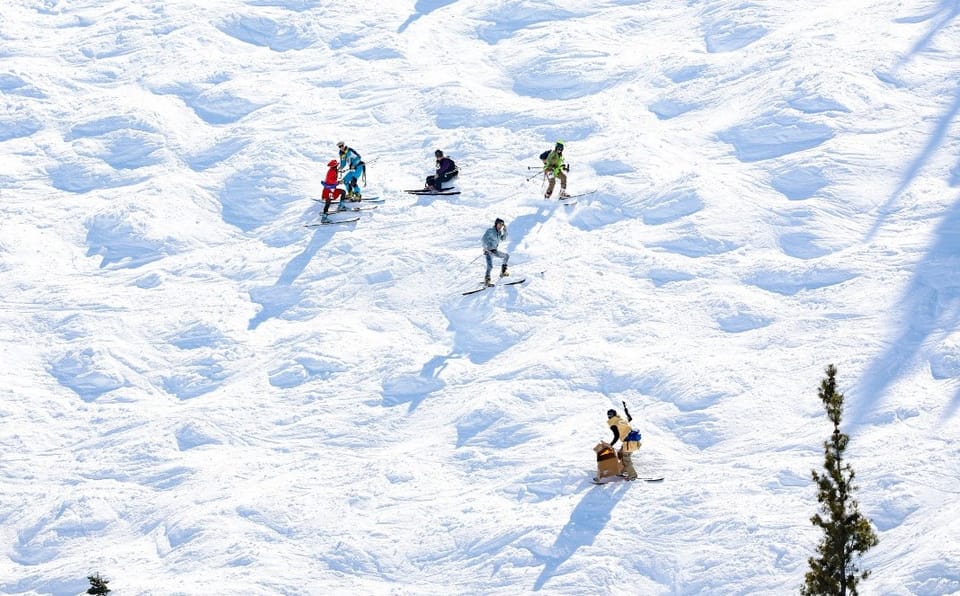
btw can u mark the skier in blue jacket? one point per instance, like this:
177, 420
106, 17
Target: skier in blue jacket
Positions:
351, 160
491, 242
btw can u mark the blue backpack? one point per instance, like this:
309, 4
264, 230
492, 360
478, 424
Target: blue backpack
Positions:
633, 435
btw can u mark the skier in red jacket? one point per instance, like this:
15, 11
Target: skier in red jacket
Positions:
330, 190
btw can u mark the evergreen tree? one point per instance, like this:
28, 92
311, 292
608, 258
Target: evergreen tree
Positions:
98, 585
846, 533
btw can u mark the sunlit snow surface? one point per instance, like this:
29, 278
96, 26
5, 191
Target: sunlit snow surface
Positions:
199, 395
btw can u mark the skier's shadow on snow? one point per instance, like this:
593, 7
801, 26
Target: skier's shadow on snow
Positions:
586, 522
477, 347
524, 225
276, 299
413, 389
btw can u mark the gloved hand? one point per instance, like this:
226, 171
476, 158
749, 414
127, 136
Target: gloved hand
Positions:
566, 167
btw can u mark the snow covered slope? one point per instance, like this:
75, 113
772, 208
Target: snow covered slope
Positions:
199, 395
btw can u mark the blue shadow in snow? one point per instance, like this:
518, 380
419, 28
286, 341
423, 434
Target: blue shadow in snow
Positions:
120, 243
265, 32
83, 372
413, 389
586, 522
950, 9
282, 295
931, 305
421, 9
774, 135
936, 139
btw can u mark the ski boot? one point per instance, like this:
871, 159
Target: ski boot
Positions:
486, 282
324, 218
503, 271
563, 194
341, 206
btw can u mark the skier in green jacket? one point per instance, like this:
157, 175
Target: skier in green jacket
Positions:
553, 168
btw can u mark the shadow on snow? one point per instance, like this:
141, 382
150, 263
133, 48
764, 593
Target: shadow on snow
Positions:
586, 522
931, 305
277, 298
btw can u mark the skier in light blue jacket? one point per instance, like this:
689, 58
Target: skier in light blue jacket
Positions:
491, 241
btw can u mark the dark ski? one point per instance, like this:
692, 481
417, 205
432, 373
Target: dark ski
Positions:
506, 283
332, 222
431, 193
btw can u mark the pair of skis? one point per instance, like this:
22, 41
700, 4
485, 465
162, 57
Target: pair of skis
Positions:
483, 287
358, 205
569, 200
348, 209
330, 222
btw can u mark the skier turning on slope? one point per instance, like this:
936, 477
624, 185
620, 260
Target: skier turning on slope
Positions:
621, 429
491, 241
330, 190
554, 168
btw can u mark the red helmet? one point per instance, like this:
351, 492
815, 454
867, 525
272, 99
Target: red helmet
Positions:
333, 162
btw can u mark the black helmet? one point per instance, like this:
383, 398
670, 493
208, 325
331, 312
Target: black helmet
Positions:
559, 145
497, 222
438, 153
611, 413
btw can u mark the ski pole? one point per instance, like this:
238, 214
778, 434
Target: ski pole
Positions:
464, 268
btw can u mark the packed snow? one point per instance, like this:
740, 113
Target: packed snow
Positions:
201, 395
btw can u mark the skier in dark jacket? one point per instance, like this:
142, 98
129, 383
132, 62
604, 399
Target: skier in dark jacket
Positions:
446, 170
